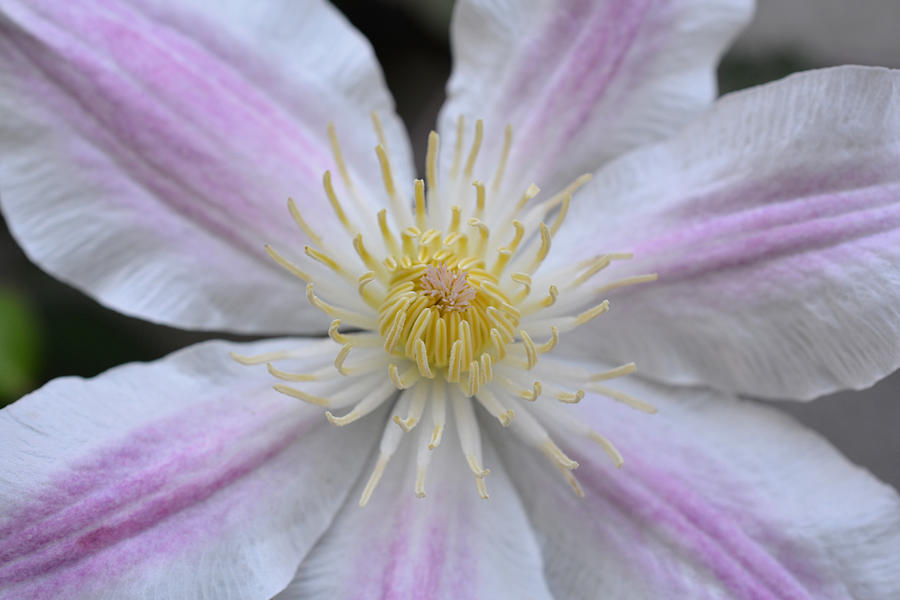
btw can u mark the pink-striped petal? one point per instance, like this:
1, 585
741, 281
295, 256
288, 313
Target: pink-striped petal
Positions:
150, 148
449, 545
718, 498
188, 477
582, 81
774, 225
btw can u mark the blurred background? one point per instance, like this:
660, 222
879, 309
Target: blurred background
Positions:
48, 329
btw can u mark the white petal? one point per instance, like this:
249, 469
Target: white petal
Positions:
774, 226
718, 498
450, 544
188, 477
582, 82
149, 150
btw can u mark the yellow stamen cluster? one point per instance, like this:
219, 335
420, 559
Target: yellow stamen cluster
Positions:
446, 313
450, 304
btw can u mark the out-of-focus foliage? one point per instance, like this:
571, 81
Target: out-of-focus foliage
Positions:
20, 346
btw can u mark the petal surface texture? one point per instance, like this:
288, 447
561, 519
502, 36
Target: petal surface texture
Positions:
774, 225
449, 545
150, 148
582, 81
718, 498
188, 477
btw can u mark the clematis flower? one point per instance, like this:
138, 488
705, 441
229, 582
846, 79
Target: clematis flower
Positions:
487, 318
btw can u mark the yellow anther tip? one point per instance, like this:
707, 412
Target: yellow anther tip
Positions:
338, 421
405, 424
244, 360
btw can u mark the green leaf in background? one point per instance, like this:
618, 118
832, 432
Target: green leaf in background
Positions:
20, 346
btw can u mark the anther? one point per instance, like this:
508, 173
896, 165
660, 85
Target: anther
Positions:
335, 203
405, 380
558, 456
341, 357
421, 353
504, 156
616, 372
551, 343
419, 189
301, 395
454, 219
416, 408
530, 349
431, 157
476, 467
258, 359
479, 199
592, 313
476, 145
570, 397
290, 376
457, 152
329, 262
377, 473
350, 316
561, 215
304, 226
542, 251
338, 156
492, 404
608, 447
626, 281
438, 414
287, 265
622, 397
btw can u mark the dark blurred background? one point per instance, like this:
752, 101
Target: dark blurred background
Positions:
48, 329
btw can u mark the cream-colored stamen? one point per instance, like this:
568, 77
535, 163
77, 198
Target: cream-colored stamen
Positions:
457, 302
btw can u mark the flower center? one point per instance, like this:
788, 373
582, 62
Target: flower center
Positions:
445, 301
447, 314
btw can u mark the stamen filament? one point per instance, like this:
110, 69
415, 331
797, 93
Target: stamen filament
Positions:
476, 145
438, 413
400, 212
336, 204
622, 397
421, 216
490, 402
302, 224
301, 395
626, 281
479, 200
317, 375
616, 372
504, 156
457, 152
370, 402
338, 156
419, 394
288, 265
352, 317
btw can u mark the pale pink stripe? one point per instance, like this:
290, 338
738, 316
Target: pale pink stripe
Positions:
63, 538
